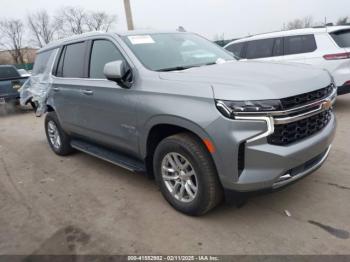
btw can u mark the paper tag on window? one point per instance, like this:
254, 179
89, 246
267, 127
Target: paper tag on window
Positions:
141, 39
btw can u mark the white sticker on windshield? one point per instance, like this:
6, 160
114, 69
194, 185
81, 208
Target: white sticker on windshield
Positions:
141, 39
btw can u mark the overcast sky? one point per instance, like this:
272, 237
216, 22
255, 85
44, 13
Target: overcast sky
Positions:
234, 18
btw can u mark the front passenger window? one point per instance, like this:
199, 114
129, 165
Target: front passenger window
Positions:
103, 52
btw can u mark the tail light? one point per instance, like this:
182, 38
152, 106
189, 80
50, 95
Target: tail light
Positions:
347, 83
338, 56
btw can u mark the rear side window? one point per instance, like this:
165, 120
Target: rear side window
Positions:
8, 72
236, 49
103, 52
41, 62
342, 38
299, 44
72, 61
260, 48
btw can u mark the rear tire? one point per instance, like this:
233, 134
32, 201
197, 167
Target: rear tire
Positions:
187, 175
58, 140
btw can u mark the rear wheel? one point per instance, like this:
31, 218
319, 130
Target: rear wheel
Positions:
58, 140
186, 174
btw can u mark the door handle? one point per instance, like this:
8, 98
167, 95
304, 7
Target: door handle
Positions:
87, 92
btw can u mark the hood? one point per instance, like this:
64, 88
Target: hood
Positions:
254, 80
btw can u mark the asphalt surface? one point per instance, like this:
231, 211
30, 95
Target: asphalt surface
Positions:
83, 205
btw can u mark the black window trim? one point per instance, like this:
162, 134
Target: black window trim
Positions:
274, 45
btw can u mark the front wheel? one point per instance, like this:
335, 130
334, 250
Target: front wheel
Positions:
187, 175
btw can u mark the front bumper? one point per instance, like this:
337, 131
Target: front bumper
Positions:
265, 165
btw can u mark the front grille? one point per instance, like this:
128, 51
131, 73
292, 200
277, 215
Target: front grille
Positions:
293, 132
306, 98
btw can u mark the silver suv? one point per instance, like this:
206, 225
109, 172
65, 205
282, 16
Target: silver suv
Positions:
178, 107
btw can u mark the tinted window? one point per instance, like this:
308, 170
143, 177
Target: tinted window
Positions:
278, 47
236, 49
342, 38
299, 44
7, 72
73, 63
260, 48
103, 52
41, 62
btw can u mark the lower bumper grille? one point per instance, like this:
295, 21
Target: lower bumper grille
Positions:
293, 132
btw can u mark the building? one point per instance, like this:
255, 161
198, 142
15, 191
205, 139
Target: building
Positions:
28, 56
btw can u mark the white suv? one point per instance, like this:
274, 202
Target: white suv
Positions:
326, 47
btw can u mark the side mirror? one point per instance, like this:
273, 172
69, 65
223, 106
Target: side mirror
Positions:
115, 71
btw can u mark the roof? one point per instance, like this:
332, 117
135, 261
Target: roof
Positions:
60, 42
304, 31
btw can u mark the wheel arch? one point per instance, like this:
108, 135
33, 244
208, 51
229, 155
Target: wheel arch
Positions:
161, 127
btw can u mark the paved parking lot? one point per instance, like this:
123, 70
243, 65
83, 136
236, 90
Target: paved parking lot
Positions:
83, 205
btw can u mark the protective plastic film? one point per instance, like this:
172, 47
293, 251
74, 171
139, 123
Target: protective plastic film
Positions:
38, 86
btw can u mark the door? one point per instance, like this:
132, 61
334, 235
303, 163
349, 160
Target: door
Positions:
106, 108
67, 85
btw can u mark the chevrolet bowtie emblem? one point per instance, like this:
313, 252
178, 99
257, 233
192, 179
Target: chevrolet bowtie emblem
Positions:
326, 105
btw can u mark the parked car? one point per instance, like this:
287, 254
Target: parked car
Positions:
180, 107
10, 82
327, 47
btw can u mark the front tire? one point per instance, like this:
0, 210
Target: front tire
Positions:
187, 175
58, 140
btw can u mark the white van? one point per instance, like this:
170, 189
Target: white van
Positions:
326, 47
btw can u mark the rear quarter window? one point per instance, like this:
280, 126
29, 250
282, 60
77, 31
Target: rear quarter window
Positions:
342, 38
299, 44
8, 72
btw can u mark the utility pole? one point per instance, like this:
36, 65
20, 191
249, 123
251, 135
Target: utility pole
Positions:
128, 14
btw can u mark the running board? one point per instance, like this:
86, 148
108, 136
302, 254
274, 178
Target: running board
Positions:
109, 156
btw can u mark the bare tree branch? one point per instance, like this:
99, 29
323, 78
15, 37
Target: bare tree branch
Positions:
100, 21
72, 20
343, 20
12, 38
305, 22
42, 27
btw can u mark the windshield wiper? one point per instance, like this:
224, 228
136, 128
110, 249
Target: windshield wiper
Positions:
176, 68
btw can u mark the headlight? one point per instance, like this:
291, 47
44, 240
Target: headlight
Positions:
232, 108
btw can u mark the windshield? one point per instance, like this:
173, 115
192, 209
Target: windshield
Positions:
175, 51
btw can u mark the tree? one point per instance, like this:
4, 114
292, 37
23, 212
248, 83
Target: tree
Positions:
305, 22
12, 32
71, 20
100, 21
343, 20
42, 27
76, 20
